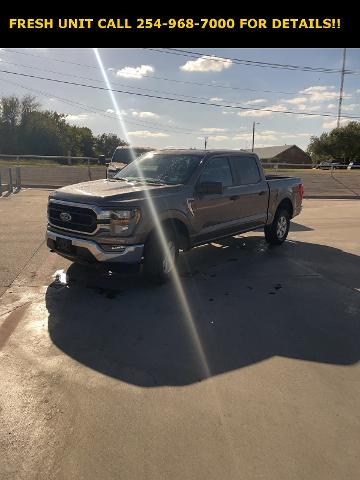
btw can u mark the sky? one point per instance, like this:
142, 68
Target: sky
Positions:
208, 76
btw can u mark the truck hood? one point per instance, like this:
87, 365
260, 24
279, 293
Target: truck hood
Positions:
102, 192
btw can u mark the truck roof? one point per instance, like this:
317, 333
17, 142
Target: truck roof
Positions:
202, 152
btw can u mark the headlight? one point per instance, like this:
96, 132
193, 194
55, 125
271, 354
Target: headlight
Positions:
122, 222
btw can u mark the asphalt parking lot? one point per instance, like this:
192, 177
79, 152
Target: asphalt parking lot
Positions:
102, 375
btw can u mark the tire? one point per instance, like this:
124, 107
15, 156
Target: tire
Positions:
277, 231
157, 268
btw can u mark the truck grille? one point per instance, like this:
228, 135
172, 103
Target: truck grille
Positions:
69, 217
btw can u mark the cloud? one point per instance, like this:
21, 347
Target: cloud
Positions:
216, 138
262, 113
206, 63
269, 136
134, 72
259, 136
213, 129
350, 107
81, 117
297, 100
319, 93
256, 101
110, 110
144, 114
333, 123
147, 134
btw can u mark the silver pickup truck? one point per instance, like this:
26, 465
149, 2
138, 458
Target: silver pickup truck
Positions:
166, 201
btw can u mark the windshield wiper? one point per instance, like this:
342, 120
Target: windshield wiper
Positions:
152, 181
122, 179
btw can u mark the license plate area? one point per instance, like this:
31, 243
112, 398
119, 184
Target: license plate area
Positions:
63, 244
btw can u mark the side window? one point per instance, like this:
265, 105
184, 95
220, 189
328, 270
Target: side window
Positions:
217, 169
247, 170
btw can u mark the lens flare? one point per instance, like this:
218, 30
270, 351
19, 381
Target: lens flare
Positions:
183, 301
160, 231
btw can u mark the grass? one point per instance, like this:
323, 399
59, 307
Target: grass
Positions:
45, 162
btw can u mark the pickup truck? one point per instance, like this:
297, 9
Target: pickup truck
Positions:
123, 156
166, 201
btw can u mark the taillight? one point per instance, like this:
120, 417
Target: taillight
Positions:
301, 191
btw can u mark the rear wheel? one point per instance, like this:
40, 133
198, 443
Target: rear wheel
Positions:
276, 233
160, 260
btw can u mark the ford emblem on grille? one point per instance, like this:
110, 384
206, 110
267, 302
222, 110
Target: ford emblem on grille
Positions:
65, 216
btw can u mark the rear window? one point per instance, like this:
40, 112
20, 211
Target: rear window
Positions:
246, 169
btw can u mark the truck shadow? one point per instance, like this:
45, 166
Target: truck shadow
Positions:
249, 302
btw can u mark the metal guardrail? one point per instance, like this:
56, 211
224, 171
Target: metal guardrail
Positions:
13, 176
53, 158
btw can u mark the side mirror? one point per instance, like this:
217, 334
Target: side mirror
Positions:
209, 188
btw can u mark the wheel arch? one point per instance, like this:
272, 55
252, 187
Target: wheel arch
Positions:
178, 228
286, 204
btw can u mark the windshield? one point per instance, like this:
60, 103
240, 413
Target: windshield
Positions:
170, 169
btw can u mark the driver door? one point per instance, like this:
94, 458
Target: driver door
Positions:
214, 213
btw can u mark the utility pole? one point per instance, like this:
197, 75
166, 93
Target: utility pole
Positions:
341, 88
253, 135
205, 141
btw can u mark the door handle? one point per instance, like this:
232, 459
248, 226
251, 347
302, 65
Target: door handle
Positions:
234, 197
262, 192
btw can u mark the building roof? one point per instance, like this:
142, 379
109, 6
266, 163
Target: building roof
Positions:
271, 152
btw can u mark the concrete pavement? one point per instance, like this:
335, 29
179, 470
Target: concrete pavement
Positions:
101, 375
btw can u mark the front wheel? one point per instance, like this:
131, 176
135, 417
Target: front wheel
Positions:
160, 259
276, 233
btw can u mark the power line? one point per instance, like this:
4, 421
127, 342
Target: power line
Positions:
193, 102
104, 113
92, 109
191, 54
154, 77
113, 83
52, 58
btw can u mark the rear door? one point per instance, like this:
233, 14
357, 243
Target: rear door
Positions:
252, 204
215, 213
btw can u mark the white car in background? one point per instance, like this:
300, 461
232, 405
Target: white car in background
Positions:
122, 156
354, 165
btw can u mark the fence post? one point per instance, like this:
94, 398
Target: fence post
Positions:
18, 177
10, 188
89, 170
0, 186
69, 157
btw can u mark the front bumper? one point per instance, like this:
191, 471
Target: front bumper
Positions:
91, 252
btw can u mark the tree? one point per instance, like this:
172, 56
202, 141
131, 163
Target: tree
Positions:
82, 141
44, 133
339, 144
106, 144
13, 115
26, 129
